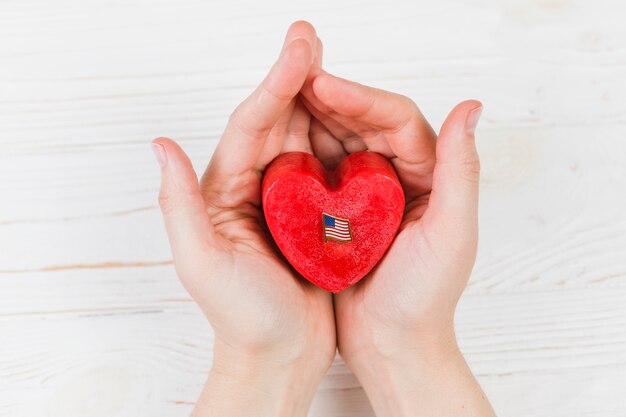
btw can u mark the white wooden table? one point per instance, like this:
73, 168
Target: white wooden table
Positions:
93, 321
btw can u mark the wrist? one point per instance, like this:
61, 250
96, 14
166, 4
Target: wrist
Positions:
389, 345
389, 367
427, 379
259, 383
422, 350
406, 384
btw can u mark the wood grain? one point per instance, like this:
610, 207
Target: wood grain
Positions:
93, 321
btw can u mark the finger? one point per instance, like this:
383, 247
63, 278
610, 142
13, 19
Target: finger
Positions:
186, 221
337, 129
410, 137
277, 142
253, 120
345, 131
298, 130
316, 107
352, 133
454, 196
316, 67
276, 139
325, 147
350, 140
390, 124
319, 53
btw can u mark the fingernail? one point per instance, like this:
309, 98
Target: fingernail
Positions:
290, 42
159, 153
295, 39
472, 119
311, 47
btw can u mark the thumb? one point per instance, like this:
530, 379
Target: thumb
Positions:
454, 196
187, 222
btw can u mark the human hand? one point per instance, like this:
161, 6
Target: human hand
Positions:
395, 327
274, 332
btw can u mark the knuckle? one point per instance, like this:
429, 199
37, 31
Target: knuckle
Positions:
179, 200
165, 203
280, 128
412, 117
299, 132
276, 95
408, 101
465, 166
368, 108
233, 118
235, 113
469, 166
472, 164
410, 107
244, 122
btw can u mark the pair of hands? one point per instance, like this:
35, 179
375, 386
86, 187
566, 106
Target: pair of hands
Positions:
276, 333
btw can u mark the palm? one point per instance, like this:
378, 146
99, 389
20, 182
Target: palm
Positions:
409, 288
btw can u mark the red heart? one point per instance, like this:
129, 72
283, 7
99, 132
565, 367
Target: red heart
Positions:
362, 197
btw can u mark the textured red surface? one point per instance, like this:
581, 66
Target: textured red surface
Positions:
363, 189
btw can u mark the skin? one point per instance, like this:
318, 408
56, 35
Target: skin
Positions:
395, 327
275, 333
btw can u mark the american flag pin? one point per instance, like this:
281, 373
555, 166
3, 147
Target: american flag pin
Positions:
336, 228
